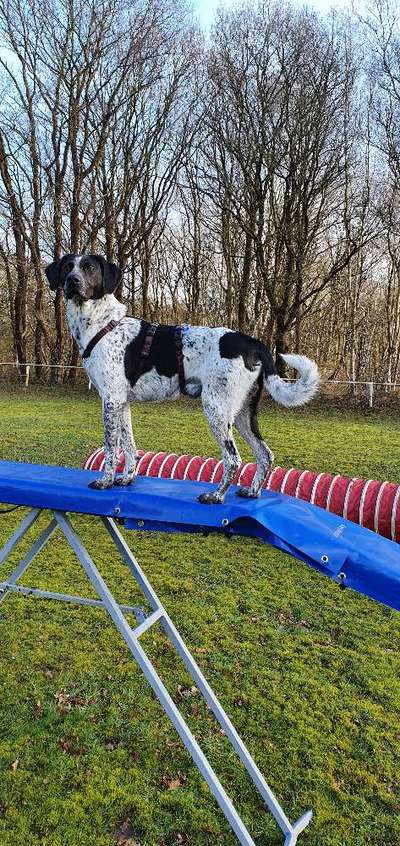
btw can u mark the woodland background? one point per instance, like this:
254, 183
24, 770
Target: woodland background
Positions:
249, 178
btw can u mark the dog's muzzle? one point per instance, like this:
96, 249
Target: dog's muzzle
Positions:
72, 287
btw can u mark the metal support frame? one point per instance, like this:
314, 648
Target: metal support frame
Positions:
131, 637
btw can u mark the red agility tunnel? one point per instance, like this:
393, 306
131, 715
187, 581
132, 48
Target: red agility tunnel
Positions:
373, 504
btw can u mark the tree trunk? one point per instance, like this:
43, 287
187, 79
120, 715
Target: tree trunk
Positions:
280, 344
145, 273
39, 334
227, 253
20, 325
244, 288
56, 375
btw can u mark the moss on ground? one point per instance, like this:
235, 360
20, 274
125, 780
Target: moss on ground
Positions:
309, 674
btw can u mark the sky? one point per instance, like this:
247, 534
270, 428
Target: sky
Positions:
206, 8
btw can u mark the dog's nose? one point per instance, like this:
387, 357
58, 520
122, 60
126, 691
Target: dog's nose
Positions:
71, 285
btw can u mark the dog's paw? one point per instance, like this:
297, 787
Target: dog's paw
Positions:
247, 493
124, 481
210, 498
100, 484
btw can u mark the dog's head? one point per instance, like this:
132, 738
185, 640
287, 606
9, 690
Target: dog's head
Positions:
83, 277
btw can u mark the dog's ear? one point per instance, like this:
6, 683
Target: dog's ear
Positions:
52, 272
111, 275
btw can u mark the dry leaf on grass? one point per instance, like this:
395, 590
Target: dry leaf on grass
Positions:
125, 835
186, 691
66, 701
177, 838
170, 783
38, 709
48, 674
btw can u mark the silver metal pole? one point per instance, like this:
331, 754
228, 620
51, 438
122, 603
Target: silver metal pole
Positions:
203, 685
20, 531
154, 680
131, 637
31, 554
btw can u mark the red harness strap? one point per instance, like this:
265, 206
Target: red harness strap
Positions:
104, 331
149, 338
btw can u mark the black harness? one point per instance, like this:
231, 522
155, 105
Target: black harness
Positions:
149, 330
146, 349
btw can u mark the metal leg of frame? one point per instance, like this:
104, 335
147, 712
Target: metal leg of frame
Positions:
11, 586
38, 544
20, 531
131, 637
36, 593
201, 682
290, 831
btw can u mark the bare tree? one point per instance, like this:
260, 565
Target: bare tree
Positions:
251, 182
93, 129
280, 82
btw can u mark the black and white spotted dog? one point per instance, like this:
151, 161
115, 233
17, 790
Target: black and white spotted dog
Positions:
129, 360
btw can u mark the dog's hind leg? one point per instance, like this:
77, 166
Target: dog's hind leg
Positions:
112, 413
127, 444
247, 425
222, 431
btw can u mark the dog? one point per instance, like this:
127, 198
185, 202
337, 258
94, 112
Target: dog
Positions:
130, 360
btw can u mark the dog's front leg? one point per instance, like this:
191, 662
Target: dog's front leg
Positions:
128, 446
112, 413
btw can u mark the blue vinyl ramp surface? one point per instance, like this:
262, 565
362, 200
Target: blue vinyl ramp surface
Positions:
351, 555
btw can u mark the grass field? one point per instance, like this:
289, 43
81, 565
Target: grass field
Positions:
309, 674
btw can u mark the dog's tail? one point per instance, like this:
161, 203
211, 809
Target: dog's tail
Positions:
298, 392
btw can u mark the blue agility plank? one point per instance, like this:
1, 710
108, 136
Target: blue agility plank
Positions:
353, 556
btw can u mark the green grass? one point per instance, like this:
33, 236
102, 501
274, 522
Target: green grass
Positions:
309, 674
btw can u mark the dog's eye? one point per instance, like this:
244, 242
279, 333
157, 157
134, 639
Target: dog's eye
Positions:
88, 268
66, 268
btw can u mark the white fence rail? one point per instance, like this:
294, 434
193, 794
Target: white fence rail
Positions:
369, 386
29, 366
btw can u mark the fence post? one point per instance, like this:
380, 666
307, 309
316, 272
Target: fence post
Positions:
27, 372
370, 393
